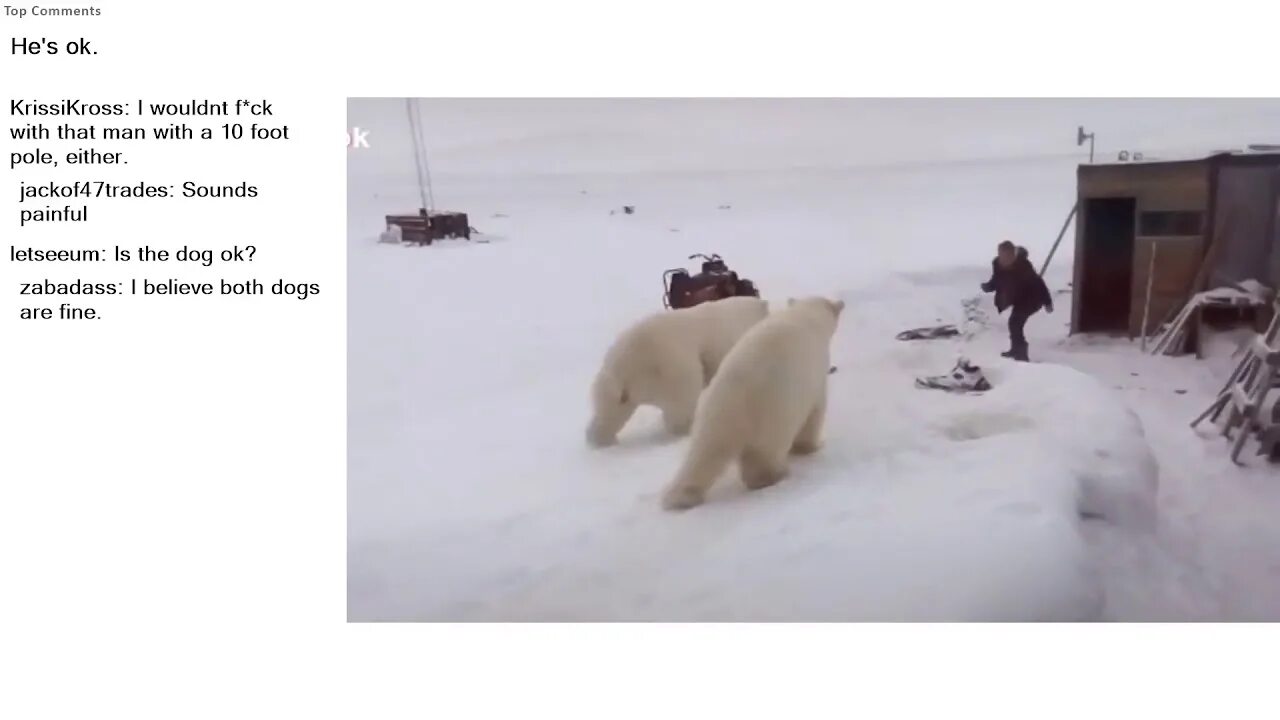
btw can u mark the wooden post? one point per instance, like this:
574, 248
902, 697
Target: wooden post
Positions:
1146, 306
1199, 333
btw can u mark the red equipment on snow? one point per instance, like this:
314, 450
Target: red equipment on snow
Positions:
715, 282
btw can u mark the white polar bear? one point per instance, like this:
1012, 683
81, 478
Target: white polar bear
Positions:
665, 360
768, 400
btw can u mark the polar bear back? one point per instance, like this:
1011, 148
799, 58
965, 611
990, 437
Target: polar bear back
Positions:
776, 372
705, 332
717, 326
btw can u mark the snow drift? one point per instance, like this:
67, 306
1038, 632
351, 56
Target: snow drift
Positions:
475, 498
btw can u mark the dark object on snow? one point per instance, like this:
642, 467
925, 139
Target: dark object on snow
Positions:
425, 228
974, 319
725, 207
929, 333
629, 209
1020, 287
715, 282
965, 377
832, 370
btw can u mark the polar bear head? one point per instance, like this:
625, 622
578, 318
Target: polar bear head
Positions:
821, 311
832, 306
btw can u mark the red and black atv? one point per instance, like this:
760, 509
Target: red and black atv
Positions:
715, 282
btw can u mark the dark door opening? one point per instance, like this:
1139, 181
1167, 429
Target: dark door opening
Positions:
1108, 264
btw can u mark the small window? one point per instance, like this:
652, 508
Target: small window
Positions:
1169, 223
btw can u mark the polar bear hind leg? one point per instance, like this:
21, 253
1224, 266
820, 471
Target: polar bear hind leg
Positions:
709, 454
679, 398
809, 439
762, 466
612, 408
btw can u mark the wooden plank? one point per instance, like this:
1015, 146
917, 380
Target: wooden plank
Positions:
1146, 306
1242, 401
1200, 333
1264, 352
1155, 186
1175, 329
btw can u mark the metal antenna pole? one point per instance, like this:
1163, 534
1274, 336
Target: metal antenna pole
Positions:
419, 159
426, 166
1081, 136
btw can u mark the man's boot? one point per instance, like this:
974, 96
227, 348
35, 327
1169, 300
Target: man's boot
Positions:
1007, 354
1019, 353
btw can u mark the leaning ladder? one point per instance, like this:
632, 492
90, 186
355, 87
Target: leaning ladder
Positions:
1246, 390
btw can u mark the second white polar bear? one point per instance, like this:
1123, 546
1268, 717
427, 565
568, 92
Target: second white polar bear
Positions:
767, 401
666, 360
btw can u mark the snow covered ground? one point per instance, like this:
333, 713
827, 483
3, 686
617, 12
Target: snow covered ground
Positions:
1072, 491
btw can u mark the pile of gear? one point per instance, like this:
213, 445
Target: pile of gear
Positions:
965, 377
1017, 287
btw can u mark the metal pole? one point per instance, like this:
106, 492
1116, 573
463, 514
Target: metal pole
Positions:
1090, 148
426, 166
417, 153
1061, 232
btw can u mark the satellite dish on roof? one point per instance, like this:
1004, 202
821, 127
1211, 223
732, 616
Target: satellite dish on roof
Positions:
1123, 156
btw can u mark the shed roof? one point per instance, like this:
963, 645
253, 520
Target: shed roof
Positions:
1259, 150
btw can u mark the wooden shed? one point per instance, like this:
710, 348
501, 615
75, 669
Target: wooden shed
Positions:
1219, 211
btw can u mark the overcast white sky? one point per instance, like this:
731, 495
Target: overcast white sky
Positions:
514, 136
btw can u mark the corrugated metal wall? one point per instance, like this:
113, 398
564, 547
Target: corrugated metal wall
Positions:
1245, 225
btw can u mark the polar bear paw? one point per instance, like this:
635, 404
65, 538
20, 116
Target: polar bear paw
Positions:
598, 438
682, 497
806, 447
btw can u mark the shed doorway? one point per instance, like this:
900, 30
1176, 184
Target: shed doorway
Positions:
1108, 264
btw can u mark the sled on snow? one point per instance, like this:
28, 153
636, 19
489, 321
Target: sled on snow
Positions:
929, 333
974, 320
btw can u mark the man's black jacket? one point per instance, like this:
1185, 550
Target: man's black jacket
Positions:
1019, 286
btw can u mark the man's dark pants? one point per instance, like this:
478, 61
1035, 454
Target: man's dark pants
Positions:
1017, 339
